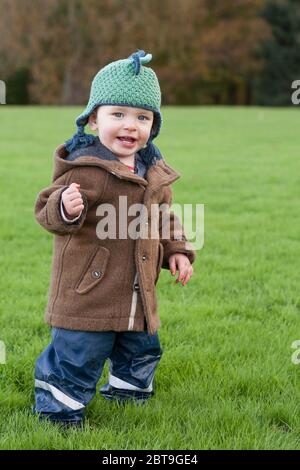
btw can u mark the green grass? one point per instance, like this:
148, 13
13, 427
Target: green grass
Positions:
226, 379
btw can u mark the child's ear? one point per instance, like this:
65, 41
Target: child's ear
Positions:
93, 121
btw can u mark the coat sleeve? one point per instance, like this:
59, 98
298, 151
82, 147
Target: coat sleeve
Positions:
47, 207
171, 232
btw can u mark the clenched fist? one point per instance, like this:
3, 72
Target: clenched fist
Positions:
72, 200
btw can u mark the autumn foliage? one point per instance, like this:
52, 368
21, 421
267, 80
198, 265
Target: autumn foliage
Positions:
204, 51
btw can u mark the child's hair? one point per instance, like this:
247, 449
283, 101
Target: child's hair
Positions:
125, 82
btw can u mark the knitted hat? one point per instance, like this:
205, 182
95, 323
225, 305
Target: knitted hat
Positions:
124, 83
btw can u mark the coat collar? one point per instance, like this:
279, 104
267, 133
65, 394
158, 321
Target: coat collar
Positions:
159, 174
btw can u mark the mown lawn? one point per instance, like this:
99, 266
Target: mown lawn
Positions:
226, 379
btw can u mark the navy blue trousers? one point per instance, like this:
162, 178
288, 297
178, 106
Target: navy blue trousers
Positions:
67, 371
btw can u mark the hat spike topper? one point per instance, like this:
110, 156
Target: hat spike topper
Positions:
140, 57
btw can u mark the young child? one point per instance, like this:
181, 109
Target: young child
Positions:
102, 301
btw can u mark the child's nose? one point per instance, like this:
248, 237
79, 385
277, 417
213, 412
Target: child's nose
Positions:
130, 124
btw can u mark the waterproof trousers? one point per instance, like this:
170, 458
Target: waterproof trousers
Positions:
67, 371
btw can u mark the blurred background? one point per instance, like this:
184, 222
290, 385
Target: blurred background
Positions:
212, 52
227, 380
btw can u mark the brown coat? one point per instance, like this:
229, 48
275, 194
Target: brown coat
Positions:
106, 284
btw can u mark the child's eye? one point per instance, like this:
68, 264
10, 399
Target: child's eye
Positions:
118, 114
141, 115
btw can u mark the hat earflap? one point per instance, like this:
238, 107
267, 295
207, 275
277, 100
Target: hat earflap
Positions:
150, 154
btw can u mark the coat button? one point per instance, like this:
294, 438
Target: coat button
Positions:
144, 257
96, 274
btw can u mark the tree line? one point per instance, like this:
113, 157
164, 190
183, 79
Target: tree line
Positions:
204, 51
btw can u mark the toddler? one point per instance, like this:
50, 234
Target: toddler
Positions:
102, 302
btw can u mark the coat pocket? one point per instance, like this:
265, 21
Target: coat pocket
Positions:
94, 270
160, 260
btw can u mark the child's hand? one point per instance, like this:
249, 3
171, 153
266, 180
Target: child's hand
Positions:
72, 200
182, 263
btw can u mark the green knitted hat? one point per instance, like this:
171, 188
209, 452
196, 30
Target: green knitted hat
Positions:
125, 82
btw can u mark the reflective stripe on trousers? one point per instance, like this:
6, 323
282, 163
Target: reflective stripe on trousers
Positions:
68, 370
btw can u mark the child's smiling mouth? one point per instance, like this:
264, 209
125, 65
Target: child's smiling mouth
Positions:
127, 139
128, 142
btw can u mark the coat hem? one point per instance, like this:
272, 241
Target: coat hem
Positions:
90, 324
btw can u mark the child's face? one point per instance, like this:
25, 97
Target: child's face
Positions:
113, 122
